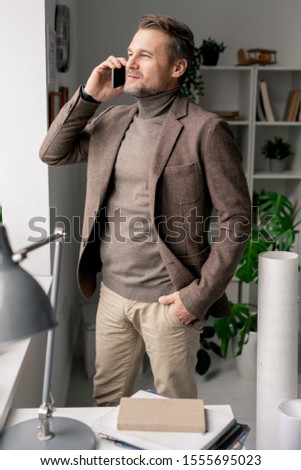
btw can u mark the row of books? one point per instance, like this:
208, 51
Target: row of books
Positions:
292, 111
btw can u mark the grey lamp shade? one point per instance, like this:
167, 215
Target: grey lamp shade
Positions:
24, 307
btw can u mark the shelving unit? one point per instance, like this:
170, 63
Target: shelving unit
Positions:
235, 88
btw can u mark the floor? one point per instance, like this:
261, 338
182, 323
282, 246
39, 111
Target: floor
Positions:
222, 385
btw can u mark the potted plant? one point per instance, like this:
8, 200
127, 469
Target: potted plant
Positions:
193, 85
210, 50
277, 151
274, 229
207, 344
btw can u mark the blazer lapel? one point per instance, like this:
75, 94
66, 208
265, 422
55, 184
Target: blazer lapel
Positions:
169, 133
101, 167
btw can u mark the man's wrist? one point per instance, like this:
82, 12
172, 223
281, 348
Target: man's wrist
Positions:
87, 97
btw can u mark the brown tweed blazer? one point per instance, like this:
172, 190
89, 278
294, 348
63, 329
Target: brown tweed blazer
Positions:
197, 166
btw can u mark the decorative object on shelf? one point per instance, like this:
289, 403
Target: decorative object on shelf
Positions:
62, 27
24, 311
277, 352
256, 56
193, 85
210, 50
274, 229
277, 151
230, 115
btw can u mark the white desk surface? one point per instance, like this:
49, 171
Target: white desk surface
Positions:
86, 415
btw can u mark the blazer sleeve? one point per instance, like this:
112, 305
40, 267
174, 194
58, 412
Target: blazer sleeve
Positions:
68, 137
227, 186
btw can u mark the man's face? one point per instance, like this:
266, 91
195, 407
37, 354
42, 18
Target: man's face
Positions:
148, 69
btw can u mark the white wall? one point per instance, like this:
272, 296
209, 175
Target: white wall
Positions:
28, 188
23, 122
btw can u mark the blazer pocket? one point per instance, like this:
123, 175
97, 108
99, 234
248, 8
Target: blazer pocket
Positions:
181, 183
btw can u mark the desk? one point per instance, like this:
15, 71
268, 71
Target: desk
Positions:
86, 415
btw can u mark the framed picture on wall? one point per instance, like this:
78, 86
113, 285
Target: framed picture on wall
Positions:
51, 56
57, 99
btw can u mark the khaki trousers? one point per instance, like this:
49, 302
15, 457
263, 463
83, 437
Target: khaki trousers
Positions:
125, 329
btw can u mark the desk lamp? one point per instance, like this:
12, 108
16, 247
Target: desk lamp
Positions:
24, 311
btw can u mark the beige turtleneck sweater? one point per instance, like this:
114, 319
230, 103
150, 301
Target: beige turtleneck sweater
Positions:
132, 265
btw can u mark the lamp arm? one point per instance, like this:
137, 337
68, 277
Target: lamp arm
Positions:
21, 254
46, 408
50, 334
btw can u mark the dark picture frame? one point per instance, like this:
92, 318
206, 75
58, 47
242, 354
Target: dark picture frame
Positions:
57, 99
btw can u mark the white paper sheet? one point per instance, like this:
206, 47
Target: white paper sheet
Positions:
217, 422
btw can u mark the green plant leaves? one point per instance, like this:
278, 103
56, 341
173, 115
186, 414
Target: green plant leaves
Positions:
203, 361
203, 355
248, 269
274, 230
240, 322
277, 149
193, 85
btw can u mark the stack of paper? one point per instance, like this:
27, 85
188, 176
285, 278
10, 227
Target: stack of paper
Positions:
218, 423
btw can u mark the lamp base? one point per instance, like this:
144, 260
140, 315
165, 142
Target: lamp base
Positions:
69, 434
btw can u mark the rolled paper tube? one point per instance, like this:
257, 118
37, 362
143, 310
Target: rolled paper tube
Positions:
277, 349
289, 425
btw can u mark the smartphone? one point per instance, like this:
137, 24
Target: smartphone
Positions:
118, 77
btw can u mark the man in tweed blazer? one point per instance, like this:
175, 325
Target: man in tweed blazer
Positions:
155, 171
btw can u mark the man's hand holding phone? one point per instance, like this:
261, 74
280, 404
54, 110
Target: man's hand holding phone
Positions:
100, 82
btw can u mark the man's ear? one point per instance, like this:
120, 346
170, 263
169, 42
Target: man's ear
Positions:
179, 68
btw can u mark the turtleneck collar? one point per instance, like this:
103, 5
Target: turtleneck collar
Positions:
156, 105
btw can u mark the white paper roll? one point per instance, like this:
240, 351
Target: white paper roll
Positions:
277, 350
289, 425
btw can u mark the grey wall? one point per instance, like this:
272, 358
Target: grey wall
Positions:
107, 27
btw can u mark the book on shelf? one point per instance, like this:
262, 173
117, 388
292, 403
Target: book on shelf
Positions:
292, 107
266, 102
260, 111
221, 429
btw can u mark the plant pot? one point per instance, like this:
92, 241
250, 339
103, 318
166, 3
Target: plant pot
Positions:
278, 166
210, 57
246, 362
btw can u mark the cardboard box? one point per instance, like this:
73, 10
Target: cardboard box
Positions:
173, 415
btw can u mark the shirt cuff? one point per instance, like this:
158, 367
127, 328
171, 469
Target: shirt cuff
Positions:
87, 97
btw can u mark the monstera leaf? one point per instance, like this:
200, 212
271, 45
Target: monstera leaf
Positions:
282, 214
274, 229
248, 267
